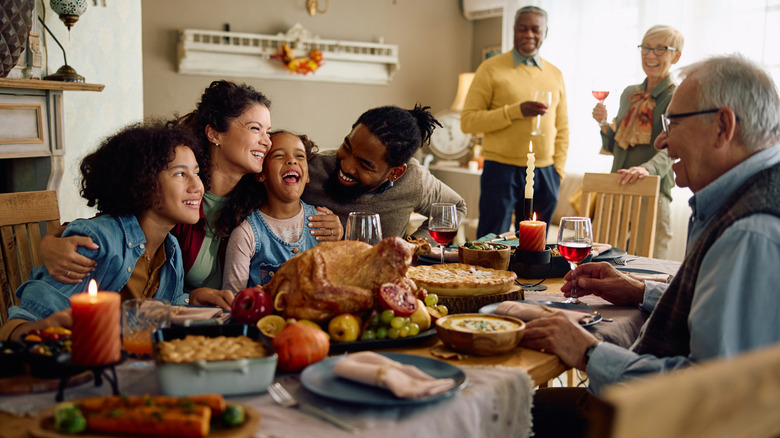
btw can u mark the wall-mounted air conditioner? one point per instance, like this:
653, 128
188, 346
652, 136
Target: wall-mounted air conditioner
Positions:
479, 9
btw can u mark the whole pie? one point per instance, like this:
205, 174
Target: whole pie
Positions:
458, 279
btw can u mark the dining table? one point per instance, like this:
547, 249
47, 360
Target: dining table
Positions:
495, 399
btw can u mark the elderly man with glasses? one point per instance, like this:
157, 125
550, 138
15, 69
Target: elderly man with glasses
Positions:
722, 130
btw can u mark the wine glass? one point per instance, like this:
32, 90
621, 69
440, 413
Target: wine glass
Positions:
443, 224
600, 92
364, 227
575, 239
545, 98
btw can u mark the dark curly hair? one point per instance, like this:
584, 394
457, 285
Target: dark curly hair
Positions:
250, 194
121, 176
402, 131
219, 104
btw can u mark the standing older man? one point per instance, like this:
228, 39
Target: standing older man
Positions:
500, 104
722, 128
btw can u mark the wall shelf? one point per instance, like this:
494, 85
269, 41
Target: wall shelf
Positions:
218, 53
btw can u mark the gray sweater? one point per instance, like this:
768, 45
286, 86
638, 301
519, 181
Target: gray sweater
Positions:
415, 191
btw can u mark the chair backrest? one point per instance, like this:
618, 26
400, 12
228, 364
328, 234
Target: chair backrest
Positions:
736, 397
625, 214
21, 215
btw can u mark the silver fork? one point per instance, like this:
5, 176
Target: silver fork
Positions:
284, 398
623, 260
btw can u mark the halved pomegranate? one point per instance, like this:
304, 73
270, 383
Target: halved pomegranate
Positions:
398, 298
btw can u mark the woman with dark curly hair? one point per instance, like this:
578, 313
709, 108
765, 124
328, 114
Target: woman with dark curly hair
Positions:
232, 123
274, 230
143, 180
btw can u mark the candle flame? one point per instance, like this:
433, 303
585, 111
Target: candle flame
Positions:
534, 217
92, 288
531, 147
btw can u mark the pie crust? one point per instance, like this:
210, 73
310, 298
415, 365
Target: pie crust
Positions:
458, 279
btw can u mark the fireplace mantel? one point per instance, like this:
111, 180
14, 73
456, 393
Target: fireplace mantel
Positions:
31, 132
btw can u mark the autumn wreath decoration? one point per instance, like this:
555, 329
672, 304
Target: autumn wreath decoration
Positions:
301, 66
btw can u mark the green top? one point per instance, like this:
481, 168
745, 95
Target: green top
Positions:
644, 155
206, 271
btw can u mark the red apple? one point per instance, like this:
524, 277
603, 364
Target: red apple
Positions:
251, 304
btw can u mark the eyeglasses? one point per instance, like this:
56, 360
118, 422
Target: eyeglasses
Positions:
665, 118
657, 50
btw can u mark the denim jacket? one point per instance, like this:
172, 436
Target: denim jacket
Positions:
41, 295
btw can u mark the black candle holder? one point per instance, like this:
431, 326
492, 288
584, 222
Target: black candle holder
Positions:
99, 372
532, 264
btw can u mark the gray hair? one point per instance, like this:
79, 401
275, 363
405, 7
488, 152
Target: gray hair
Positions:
735, 82
533, 9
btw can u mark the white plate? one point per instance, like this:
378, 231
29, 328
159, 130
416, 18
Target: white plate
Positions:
320, 379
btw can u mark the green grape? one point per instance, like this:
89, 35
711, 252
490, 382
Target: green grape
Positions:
368, 335
386, 316
407, 320
397, 322
431, 300
414, 329
393, 333
374, 321
381, 332
443, 309
404, 331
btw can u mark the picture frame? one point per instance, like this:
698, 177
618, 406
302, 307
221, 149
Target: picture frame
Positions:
489, 52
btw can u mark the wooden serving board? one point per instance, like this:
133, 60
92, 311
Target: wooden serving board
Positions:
472, 304
43, 426
27, 384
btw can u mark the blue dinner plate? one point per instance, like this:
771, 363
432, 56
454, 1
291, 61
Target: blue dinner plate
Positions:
320, 379
491, 308
342, 347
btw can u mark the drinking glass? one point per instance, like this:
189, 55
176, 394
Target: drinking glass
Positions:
443, 224
364, 227
545, 98
575, 240
600, 92
139, 318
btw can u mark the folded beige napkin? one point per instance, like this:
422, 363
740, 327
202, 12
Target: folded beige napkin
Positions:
528, 312
184, 315
405, 381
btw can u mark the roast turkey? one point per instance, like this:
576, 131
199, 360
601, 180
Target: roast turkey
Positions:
340, 277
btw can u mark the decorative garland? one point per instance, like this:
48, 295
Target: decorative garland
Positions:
301, 66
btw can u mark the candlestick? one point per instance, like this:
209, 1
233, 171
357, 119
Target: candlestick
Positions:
531, 235
96, 330
529, 172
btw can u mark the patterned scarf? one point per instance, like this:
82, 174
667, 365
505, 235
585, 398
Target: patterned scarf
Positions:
637, 127
667, 332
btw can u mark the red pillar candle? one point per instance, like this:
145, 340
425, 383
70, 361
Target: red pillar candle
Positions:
96, 328
531, 235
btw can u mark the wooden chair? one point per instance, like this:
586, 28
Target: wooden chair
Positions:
737, 397
21, 215
625, 214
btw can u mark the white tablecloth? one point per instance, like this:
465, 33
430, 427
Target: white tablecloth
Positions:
495, 403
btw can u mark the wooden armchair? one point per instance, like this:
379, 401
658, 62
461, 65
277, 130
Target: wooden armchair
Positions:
25, 217
736, 397
625, 214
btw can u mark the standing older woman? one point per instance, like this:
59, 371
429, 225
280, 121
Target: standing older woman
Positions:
232, 122
630, 138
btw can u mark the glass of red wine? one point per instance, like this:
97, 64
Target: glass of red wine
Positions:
575, 240
443, 224
601, 96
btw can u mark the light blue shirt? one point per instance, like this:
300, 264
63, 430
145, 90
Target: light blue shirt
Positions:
735, 305
121, 241
518, 58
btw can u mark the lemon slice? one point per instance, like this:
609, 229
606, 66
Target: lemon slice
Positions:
271, 325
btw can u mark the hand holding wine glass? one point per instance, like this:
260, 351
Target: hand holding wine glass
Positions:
575, 240
443, 224
544, 98
600, 92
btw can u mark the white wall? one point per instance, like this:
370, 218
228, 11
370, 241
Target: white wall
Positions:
105, 47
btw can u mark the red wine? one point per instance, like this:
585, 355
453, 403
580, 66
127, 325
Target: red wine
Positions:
574, 251
600, 95
443, 236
